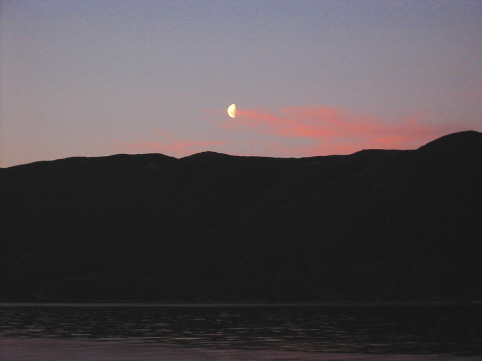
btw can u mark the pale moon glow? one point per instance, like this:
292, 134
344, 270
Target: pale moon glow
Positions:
232, 111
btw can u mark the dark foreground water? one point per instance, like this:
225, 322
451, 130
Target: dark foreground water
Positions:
159, 332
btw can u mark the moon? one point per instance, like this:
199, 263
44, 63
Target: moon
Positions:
232, 110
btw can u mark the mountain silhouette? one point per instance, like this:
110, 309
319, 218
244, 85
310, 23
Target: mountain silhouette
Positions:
374, 225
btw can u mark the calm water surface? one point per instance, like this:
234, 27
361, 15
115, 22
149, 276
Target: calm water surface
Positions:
402, 332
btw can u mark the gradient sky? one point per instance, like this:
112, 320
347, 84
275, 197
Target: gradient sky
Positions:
100, 77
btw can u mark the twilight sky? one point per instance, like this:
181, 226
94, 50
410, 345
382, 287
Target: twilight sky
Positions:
100, 77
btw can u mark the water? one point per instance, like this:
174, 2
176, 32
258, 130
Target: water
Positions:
222, 332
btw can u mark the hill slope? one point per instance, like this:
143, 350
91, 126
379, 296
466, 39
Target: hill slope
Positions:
374, 225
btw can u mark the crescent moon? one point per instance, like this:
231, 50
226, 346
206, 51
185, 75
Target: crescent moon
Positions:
232, 111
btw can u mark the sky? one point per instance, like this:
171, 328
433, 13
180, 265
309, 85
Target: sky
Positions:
101, 77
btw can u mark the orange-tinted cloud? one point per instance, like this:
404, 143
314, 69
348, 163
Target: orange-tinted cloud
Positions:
332, 130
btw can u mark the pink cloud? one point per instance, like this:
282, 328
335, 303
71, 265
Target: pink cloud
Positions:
333, 130
298, 132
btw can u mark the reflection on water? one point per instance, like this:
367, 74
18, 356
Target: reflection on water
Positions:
396, 329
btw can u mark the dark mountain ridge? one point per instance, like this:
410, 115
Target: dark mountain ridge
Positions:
373, 225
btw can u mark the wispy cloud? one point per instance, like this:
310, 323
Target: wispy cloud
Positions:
334, 130
297, 132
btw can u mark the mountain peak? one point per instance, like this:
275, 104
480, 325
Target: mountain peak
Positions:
206, 156
467, 141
